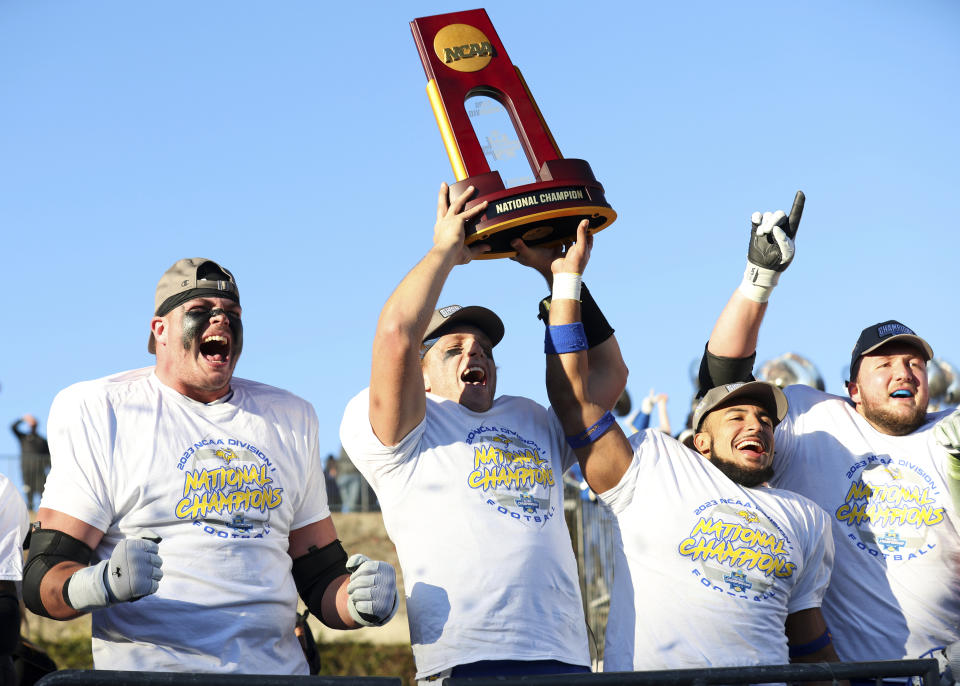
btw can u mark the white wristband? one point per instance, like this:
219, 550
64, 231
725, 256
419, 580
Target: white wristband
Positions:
566, 286
86, 589
758, 283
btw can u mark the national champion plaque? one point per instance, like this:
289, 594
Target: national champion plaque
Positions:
464, 60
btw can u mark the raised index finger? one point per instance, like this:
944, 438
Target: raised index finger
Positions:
795, 213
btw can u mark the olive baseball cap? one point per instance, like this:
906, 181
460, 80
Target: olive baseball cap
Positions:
769, 397
447, 317
189, 278
880, 334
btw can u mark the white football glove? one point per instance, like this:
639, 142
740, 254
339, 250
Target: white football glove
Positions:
133, 571
947, 433
372, 597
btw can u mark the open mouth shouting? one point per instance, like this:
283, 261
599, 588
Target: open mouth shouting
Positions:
215, 349
216, 333
752, 447
474, 375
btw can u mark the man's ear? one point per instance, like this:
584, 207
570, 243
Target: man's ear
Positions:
853, 390
158, 326
426, 379
703, 444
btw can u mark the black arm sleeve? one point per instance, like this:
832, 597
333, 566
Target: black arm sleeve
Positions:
716, 370
595, 326
315, 571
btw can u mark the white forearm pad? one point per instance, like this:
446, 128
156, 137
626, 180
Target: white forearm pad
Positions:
566, 286
86, 589
758, 283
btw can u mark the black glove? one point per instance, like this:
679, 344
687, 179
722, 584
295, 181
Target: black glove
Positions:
771, 249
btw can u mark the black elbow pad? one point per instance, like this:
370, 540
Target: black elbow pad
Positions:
48, 548
315, 571
718, 371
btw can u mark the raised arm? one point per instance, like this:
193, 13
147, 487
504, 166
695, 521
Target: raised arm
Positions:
607, 372
733, 341
607, 375
662, 413
639, 419
601, 447
397, 401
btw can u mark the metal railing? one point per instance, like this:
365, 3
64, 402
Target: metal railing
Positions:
76, 677
591, 528
926, 670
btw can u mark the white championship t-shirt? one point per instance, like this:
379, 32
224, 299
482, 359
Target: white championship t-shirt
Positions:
222, 485
14, 524
473, 502
706, 570
895, 590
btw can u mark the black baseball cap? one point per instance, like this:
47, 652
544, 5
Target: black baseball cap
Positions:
880, 334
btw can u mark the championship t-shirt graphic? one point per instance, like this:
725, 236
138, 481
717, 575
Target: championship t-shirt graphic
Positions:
737, 549
889, 508
512, 474
229, 488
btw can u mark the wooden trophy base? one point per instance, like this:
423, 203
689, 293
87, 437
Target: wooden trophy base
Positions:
544, 213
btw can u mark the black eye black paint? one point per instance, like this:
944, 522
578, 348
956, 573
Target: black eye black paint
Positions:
196, 320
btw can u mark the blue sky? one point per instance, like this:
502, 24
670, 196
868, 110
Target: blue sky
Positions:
293, 141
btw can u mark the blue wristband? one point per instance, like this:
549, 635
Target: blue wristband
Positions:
565, 338
813, 646
592, 433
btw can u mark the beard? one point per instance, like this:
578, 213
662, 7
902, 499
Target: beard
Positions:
893, 423
747, 478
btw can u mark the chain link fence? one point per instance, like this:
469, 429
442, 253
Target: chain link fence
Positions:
592, 530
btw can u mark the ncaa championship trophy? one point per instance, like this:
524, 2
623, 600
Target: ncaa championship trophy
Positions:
464, 60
